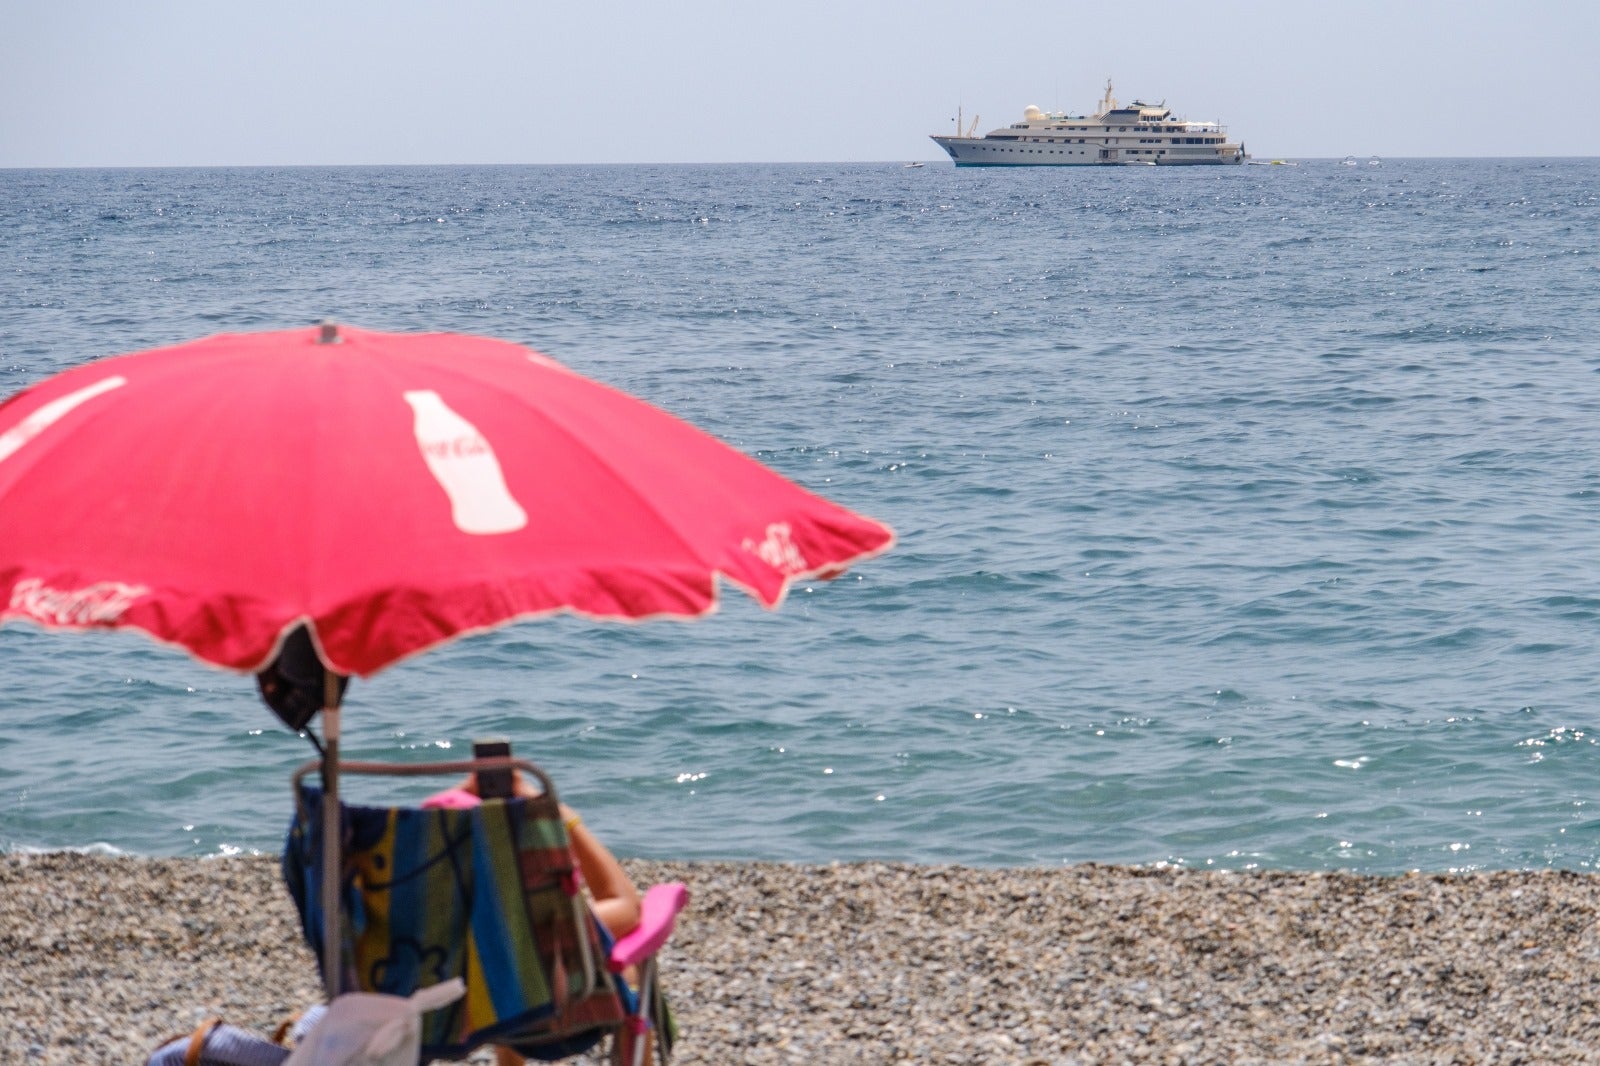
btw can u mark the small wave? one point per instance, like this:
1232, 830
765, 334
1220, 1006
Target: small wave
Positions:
98, 848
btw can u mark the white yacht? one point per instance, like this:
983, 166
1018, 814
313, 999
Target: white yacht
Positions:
1137, 135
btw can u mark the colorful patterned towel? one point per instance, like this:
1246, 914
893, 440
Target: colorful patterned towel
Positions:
485, 894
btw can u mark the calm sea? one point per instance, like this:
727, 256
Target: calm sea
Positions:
1249, 517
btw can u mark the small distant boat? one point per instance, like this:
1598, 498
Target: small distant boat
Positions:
1348, 161
1374, 162
910, 166
1271, 163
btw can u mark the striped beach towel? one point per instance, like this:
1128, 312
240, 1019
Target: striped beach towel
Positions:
485, 894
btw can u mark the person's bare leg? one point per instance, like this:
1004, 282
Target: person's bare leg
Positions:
613, 898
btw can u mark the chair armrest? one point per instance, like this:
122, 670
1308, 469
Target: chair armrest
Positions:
658, 913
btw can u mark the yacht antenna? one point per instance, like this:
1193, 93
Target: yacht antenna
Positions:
1108, 102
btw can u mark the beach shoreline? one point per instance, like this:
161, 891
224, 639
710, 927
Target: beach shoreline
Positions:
105, 957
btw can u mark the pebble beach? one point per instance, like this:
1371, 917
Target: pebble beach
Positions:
105, 958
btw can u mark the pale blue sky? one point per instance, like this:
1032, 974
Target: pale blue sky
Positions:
220, 82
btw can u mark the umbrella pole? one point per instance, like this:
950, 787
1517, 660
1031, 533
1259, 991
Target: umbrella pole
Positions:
332, 858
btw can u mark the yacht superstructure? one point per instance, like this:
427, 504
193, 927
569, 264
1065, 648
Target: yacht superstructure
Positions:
1138, 134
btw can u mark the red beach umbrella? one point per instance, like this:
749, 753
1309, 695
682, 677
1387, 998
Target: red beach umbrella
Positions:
388, 492
392, 491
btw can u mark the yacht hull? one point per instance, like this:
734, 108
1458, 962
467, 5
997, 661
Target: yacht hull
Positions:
991, 152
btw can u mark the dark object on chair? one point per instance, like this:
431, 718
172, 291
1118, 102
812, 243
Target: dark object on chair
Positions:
493, 784
294, 684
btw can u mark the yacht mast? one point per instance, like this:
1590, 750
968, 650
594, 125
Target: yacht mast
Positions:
1107, 102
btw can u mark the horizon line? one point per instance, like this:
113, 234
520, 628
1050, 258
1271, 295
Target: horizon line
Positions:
713, 163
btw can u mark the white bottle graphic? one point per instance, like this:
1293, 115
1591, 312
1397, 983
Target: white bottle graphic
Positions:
461, 460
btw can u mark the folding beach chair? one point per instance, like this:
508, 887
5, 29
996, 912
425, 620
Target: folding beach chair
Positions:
490, 894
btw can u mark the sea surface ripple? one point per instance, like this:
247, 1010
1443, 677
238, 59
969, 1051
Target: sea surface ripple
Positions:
1247, 515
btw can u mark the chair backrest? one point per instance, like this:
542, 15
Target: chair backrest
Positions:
489, 894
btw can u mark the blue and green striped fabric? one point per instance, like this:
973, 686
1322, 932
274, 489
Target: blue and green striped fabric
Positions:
484, 894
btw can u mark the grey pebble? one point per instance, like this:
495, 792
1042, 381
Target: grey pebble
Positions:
103, 959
